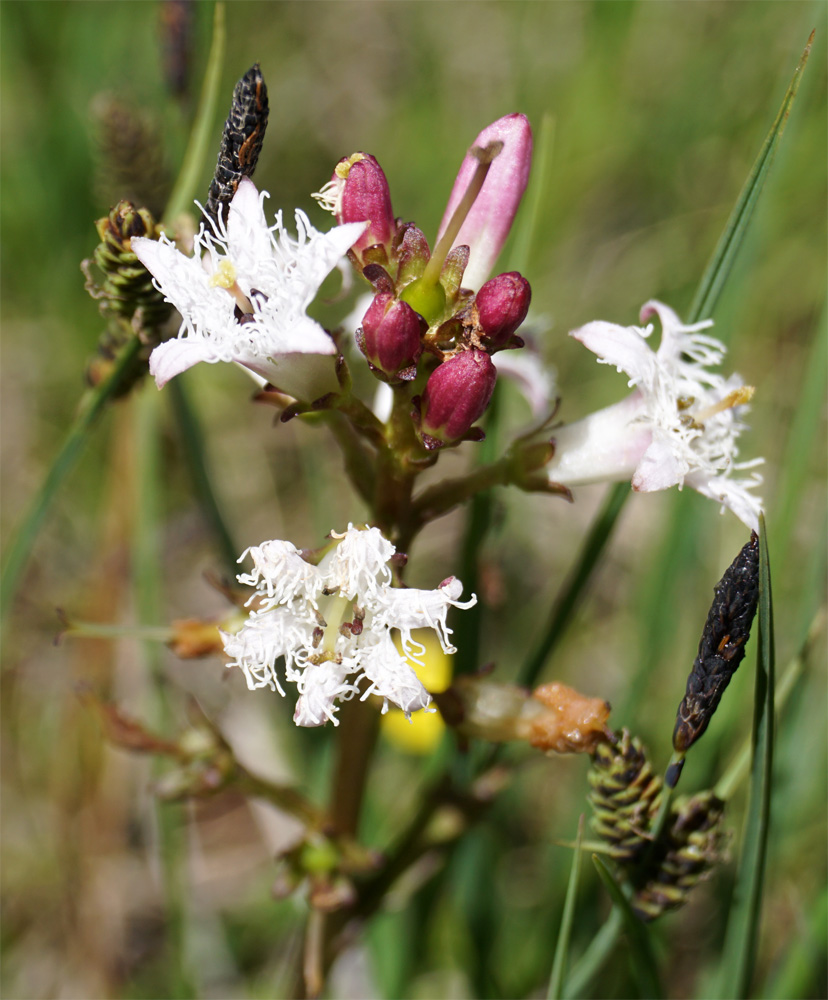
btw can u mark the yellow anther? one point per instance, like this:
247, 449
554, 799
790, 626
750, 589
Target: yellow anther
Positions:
224, 275
736, 397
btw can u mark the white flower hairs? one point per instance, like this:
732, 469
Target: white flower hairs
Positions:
679, 426
332, 625
243, 295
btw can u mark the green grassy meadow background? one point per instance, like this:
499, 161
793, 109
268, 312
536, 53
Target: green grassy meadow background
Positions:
656, 111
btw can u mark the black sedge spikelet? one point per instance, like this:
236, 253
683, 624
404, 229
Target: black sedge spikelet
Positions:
722, 646
625, 796
684, 854
241, 140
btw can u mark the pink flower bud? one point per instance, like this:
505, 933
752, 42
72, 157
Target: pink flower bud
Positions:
390, 337
363, 195
488, 223
502, 304
456, 394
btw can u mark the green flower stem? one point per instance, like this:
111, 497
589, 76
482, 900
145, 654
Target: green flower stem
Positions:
399, 462
444, 496
363, 420
360, 462
90, 408
286, 798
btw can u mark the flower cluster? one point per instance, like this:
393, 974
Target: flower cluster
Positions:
332, 624
433, 315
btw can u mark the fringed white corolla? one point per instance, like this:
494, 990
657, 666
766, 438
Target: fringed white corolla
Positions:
243, 296
332, 625
679, 425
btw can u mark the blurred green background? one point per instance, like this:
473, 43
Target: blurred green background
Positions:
657, 110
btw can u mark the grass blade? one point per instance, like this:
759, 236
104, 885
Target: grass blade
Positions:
724, 255
743, 924
556, 979
576, 584
192, 172
91, 406
642, 958
592, 960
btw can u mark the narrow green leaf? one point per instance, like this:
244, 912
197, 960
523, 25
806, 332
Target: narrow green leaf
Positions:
193, 450
642, 958
198, 148
731, 239
576, 584
556, 979
18, 551
592, 960
739, 952
739, 766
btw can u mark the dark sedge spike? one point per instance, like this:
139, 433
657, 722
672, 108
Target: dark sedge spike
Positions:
241, 140
684, 855
127, 298
625, 795
722, 646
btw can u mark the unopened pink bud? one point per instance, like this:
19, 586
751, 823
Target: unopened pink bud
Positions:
390, 337
490, 219
364, 196
456, 395
502, 304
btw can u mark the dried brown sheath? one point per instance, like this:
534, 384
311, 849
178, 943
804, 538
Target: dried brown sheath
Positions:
241, 140
722, 646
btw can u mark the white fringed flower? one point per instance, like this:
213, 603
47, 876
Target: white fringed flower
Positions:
243, 296
679, 426
332, 625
